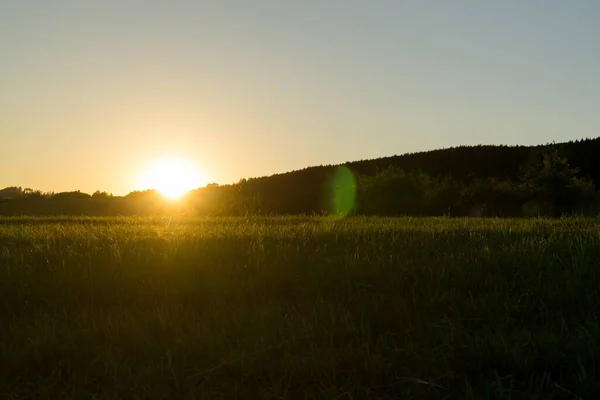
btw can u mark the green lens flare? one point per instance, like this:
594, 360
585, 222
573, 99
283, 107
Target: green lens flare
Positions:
343, 192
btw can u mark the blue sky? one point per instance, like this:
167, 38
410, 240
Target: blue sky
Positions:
93, 92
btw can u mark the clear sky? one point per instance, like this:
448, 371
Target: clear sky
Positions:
93, 91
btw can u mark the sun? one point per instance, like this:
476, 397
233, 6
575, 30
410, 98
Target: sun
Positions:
171, 177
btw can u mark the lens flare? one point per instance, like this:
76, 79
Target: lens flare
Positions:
342, 192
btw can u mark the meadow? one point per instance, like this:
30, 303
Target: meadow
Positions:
299, 308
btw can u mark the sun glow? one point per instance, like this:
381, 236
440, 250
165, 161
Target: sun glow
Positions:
171, 177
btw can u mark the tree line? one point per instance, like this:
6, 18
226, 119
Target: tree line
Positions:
546, 185
550, 180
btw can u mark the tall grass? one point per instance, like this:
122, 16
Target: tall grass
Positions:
299, 308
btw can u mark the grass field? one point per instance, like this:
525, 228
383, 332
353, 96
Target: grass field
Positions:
299, 308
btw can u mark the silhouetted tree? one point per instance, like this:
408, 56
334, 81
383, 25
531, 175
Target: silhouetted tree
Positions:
552, 184
101, 195
70, 195
31, 194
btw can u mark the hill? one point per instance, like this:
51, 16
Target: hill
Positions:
464, 162
466, 180
309, 190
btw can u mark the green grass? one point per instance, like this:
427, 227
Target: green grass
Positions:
299, 308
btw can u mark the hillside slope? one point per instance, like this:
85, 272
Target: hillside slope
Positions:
303, 190
483, 161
